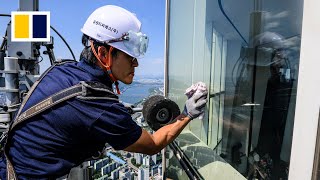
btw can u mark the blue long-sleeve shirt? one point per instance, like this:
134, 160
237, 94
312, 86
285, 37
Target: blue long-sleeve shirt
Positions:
49, 144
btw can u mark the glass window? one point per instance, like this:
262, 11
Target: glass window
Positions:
248, 55
175, 171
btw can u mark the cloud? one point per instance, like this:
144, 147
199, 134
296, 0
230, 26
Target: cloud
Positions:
280, 15
272, 25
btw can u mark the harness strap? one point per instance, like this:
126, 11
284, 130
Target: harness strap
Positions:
88, 90
48, 103
35, 84
81, 89
11, 175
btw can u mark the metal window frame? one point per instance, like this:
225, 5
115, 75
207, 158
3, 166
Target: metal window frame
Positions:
166, 74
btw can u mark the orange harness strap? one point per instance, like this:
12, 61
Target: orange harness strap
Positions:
107, 66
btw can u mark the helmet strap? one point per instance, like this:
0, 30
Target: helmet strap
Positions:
107, 65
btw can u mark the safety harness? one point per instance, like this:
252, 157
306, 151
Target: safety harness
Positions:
83, 90
107, 66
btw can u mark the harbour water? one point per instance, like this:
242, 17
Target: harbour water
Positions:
139, 90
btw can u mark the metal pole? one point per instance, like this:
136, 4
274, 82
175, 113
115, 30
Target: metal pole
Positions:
166, 48
166, 75
11, 80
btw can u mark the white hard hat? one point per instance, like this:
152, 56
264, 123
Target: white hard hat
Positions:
118, 28
266, 45
269, 39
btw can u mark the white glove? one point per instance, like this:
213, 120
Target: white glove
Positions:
197, 99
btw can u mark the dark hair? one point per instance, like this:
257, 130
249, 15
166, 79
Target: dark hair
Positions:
87, 53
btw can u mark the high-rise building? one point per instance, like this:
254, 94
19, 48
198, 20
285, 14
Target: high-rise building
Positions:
114, 174
154, 159
124, 173
146, 161
160, 169
154, 170
138, 157
140, 173
143, 173
100, 163
146, 172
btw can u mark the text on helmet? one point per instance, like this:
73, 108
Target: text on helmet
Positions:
107, 27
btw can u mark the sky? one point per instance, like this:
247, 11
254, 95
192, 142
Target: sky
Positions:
68, 17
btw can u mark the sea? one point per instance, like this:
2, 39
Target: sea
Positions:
140, 90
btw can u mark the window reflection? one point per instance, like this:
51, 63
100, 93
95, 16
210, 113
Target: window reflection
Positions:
257, 137
251, 67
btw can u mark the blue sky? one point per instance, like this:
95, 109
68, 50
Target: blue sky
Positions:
69, 16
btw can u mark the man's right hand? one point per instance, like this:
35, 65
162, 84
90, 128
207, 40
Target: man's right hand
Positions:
153, 143
195, 105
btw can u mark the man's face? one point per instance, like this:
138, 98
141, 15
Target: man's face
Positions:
123, 67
